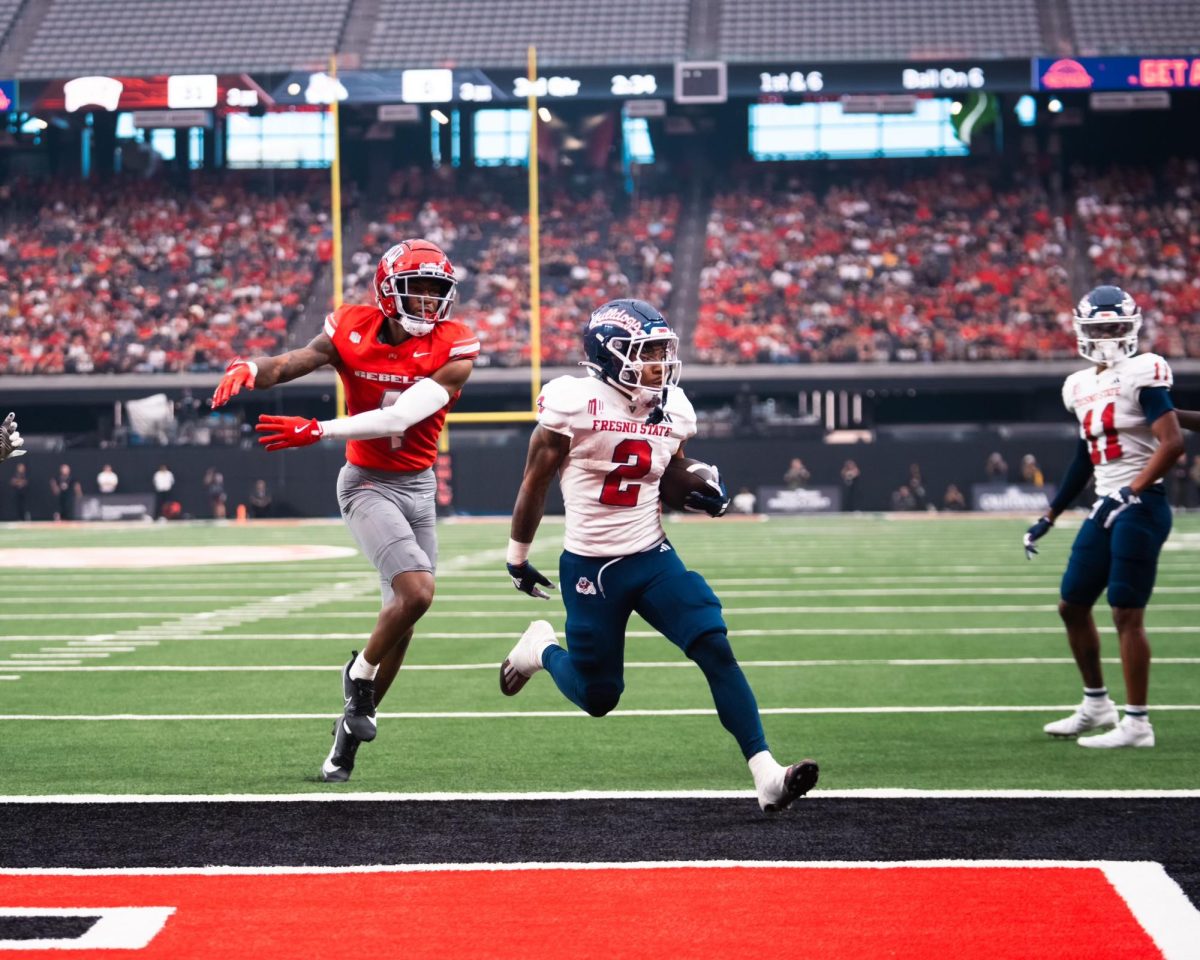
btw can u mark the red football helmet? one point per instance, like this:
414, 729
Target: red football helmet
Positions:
407, 261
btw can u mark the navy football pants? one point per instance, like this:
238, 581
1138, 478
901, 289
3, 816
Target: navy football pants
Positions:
1124, 557
600, 593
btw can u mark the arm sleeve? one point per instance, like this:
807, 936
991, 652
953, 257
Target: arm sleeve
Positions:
423, 399
1155, 402
1075, 479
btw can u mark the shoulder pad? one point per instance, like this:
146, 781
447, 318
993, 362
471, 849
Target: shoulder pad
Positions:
1145, 370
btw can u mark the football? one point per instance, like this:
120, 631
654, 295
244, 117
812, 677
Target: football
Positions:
682, 476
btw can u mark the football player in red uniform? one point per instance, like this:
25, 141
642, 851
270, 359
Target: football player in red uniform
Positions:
403, 363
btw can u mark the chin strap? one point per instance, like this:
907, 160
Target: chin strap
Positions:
659, 413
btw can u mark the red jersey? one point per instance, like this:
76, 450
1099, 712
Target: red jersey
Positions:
375, 374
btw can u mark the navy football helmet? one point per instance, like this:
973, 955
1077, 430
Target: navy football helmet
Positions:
630, 345
1107, 322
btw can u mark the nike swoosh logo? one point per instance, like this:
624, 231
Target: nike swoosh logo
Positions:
425, 354
301, 428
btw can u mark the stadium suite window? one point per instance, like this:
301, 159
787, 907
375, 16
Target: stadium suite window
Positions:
162, 140
819, 131
501, 138
279, 140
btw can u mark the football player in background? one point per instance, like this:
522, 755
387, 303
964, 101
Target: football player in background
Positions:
1129, 438
610, 435
11, 441
403, 363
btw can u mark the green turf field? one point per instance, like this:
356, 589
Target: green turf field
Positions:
899, 652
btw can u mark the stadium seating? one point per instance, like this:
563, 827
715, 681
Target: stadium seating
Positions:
123, 37
919, 268
135, 277
1117, 27
797, 30
8, 12
498, 34
589, 253
1142, 232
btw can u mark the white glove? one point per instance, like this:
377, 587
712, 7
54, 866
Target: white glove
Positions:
11, 441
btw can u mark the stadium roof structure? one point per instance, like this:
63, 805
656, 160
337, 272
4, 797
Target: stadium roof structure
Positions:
56, 39
145, 37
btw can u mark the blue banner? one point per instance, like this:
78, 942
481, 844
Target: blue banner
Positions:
1118, 73
8, 95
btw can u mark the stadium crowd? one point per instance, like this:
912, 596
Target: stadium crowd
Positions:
593, 248
135, 276
1142, 232
930, 268
894, 265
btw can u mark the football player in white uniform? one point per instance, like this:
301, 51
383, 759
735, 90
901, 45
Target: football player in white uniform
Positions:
610, 436
1129, 439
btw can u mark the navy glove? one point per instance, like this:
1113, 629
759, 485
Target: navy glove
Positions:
1035, 533
1106, 510
714, 501
527, 579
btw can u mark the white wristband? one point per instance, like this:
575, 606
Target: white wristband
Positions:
518, 553
423, 399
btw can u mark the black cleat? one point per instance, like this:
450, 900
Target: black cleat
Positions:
360, 704
798, 779
340, 762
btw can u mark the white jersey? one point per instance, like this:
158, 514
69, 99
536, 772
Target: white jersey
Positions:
610, 477
1111, 419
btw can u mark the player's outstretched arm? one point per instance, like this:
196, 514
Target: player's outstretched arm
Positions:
263, 372
1189, 419
547, 451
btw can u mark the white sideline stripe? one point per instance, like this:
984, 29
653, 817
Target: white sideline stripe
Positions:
561, 714
636, 665
1159, 905
10, 676
118, 928
862, 793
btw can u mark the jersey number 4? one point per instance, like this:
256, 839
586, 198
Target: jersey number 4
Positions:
1110, 449
635, 459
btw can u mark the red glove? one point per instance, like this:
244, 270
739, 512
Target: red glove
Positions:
279, 433
239, 374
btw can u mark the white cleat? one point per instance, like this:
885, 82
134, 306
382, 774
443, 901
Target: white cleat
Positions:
525, 659
1087, 717
1126, 734
796, 781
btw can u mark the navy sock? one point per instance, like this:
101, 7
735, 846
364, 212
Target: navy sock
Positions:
736, 706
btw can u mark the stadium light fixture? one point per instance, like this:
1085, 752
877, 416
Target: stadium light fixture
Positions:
293, 89
543, 114
1055, 105
439, 116
956, 108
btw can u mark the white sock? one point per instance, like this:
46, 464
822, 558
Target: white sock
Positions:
1137, 714
363, 670
1095, 698
767, 773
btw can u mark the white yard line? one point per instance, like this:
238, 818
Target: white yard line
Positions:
1105, 631
632, 665
563, 714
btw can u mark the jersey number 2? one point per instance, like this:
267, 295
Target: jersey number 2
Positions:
1111, 450
634, 457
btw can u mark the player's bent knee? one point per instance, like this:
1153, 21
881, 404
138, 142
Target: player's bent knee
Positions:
1126, 618
711, 651
1072, 613
601, 698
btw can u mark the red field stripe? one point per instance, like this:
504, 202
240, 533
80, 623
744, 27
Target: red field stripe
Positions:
851, 913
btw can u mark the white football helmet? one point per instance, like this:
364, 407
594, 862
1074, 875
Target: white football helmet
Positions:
1107, 322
